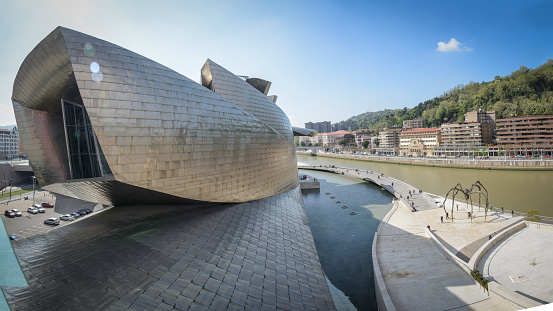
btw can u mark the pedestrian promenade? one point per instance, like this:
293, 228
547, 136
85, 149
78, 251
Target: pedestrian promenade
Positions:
417, 275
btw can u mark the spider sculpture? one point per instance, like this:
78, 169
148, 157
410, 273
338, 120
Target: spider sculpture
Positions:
476, 188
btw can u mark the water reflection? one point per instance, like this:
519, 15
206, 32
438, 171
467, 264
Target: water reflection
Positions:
344, 241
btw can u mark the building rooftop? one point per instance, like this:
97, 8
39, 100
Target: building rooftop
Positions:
420, 130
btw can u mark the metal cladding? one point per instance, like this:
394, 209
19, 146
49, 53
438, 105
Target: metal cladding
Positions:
300, 131
149, 131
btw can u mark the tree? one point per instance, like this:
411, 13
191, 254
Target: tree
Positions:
365, 144
303, 144
296, 141
376, 142
533, 215
343, 142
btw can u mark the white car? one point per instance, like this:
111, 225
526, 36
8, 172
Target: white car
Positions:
17, 212
32, 210
67, 217
52, 221
41, 209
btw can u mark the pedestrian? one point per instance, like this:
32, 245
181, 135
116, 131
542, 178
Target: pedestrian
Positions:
409, 192
392, 184
502, 210
490, 237
442, 219
407, 198
457, 207
446, 215
468, 214
512, 213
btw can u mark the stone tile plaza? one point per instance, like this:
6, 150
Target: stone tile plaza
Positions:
197, 204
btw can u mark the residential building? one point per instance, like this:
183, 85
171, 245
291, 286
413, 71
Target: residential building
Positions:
466, 133
487, 121
389, 138
412, 124
333, 138
320, 127
9, 143
525, 130
362, 135
421, 141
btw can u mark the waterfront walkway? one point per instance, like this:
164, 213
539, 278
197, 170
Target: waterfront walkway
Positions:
416, 273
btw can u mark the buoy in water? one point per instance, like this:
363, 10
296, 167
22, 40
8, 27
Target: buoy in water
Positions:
344, 207
338, 201
352, 213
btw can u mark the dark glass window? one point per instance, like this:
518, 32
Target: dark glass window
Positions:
82, 144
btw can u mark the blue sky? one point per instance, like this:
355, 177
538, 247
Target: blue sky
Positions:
328, 60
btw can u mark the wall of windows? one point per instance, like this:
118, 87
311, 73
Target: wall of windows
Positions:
85, 156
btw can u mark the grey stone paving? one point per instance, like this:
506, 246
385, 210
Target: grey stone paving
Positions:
526, 253
258, 255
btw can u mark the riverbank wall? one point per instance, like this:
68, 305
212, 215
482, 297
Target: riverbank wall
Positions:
490, 163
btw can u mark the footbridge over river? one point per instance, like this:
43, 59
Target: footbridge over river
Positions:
422, 263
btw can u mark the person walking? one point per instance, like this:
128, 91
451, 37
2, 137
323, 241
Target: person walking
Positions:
512, 213
457, 207
446, 215
502, 210
442, 219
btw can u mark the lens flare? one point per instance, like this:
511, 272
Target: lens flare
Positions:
97, 76
94, 67
89, 49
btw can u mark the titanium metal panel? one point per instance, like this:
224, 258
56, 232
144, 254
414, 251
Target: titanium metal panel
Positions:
158, 130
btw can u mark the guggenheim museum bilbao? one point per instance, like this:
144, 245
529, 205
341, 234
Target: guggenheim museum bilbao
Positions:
101, 123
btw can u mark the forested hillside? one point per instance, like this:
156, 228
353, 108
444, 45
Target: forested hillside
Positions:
523, 92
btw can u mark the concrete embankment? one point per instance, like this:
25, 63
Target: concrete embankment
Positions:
415, 261
501, 163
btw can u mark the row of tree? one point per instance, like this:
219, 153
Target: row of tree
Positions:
523, 92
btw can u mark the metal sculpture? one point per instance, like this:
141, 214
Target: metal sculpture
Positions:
468, 197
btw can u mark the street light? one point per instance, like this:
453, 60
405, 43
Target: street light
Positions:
34, 179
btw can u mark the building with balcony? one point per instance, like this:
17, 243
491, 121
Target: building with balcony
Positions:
525, 134
389, 140
412, 124
466, 133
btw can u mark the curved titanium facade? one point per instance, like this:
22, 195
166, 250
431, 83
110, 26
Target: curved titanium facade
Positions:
152, 133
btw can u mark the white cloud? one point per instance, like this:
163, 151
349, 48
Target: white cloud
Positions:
452, 46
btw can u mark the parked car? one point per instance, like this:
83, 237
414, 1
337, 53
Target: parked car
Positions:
17, 212
41, 209
67, 217
82, 212
52, 221
46, 204
76, 215
88, 210
9, 214
32, 210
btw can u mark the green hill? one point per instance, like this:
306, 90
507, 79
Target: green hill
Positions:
523, 92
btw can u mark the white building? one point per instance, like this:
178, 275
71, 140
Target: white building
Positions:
9, 143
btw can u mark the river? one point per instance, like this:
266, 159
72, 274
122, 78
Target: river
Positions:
343, 240
513, 190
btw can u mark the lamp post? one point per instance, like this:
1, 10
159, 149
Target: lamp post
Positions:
34, 179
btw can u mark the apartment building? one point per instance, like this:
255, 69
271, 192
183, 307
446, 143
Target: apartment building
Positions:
9, 143
466, 133
412, 124
320, 127
525, 130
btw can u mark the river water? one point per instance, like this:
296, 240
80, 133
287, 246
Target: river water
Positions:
513, 190
344, 241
